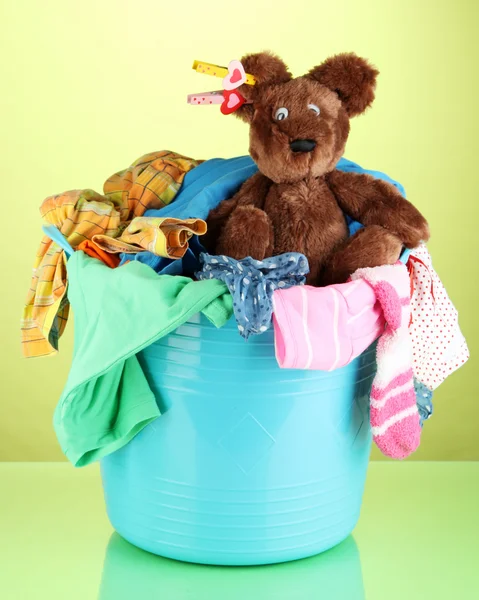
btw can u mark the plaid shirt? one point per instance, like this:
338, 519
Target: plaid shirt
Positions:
151, 182
163, 237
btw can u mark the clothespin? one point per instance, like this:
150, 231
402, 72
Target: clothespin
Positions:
229, 98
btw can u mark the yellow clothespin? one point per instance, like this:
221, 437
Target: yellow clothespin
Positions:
233, 75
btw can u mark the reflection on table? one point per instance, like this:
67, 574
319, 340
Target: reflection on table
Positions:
132, 574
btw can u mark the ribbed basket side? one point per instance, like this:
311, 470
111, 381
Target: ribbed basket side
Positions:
248, 463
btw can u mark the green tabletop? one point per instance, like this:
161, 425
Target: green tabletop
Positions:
418, 538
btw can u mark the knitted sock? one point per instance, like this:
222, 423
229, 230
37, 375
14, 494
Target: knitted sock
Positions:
394, 415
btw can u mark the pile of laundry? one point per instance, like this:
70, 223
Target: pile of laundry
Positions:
131, 264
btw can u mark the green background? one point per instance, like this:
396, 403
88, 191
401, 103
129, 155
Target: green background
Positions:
87, 87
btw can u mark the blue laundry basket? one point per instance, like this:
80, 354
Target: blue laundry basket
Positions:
248, 464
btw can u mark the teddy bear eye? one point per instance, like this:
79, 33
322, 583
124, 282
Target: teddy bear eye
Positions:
281, 114
314, 108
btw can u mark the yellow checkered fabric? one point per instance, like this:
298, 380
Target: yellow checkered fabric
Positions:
163, 237
151, 182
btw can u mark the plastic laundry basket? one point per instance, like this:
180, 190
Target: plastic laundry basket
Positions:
248, 464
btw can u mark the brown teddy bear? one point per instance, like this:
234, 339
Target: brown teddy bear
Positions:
297, 200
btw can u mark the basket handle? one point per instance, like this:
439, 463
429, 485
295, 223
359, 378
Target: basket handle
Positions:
57, 236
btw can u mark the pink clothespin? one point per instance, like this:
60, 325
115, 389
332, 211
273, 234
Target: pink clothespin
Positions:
232, 101
206, 98
233, 77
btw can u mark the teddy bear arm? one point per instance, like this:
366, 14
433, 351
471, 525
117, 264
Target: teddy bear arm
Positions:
247, 232
371, 246
252, 193
375, 202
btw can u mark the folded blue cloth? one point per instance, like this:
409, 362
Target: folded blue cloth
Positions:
203, 189
252, 283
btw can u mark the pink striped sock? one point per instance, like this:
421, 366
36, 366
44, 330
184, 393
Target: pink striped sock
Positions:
394, 416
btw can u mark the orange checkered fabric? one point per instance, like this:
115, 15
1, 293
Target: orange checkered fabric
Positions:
163, 237
150, 182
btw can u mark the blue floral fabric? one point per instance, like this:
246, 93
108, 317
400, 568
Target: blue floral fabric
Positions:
252, 283
423, 401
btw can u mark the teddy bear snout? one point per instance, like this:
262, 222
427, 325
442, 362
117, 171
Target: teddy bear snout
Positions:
302, 145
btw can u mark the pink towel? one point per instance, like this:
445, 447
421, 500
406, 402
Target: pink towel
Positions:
325, 328
394, 415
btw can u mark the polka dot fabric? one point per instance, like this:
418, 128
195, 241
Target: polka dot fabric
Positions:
252, 283
439, 348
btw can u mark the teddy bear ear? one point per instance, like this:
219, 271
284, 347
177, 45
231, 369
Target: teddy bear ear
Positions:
267, 68
351, 77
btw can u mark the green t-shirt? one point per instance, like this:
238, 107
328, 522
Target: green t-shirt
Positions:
118, 312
